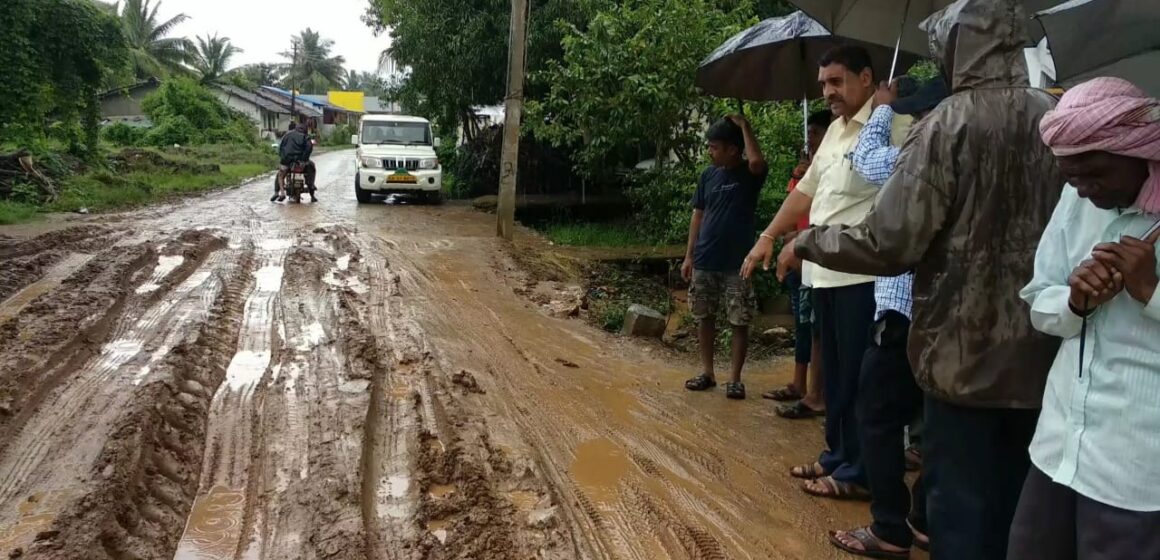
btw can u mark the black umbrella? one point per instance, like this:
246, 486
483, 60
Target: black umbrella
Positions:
777, 60
1092, 38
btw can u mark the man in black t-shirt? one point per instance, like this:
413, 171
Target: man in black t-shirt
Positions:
721, 232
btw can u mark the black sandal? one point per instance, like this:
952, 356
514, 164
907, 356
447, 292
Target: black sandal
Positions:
700, 383
871, 545
798, 411
735, 390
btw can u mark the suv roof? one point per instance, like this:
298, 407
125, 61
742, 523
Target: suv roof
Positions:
393, 118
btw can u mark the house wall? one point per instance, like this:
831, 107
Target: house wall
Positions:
128, 105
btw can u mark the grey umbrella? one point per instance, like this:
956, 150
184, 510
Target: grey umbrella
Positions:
777, 60
886, 22
1091, 38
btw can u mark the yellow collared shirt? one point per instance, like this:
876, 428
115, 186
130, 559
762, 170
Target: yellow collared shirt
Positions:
841, 196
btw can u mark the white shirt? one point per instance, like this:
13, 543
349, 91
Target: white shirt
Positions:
1098, 434
840, 195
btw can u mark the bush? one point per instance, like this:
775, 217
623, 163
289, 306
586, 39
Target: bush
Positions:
173, 130
185, 112
340, 136
121, 134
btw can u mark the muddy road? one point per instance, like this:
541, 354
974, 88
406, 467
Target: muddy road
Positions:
226, 378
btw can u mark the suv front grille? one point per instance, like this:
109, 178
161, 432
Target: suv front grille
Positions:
410, 164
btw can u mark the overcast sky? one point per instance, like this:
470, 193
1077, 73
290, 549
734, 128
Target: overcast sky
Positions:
262, 28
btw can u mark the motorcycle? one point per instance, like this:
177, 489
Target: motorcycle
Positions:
295, 181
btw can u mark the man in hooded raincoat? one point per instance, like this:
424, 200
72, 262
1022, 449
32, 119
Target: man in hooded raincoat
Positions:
965, 208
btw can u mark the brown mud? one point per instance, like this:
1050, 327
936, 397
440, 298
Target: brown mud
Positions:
226, 378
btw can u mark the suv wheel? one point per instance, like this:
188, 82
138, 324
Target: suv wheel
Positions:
363, 197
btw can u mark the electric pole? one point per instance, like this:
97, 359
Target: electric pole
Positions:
293, 64
513, 110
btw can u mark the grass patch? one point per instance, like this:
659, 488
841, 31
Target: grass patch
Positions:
103, 190
594, 235
16, 212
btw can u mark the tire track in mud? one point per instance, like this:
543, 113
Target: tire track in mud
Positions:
437, 487
118, 436
219, 514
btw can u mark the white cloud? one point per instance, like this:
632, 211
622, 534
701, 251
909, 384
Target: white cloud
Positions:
262, 28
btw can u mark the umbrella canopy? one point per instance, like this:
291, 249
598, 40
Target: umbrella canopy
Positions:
777, 60
880, 21
1092, 38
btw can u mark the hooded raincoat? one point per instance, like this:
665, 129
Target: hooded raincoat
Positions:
972, 192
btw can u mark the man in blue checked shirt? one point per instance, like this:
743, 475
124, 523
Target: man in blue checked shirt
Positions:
888, 398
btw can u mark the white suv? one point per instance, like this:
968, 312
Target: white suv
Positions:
396, 155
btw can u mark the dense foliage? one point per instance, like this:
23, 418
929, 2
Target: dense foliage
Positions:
58, 53
310, 67
184, 112
627, 80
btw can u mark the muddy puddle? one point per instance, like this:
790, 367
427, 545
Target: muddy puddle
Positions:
227, 379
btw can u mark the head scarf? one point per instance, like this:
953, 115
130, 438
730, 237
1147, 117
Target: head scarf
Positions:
1109, 115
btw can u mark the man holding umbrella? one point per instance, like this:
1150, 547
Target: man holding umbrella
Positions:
971, 195
832, 193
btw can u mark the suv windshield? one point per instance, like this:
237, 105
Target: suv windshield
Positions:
407, 133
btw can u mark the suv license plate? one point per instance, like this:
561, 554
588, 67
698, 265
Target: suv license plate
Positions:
401, 178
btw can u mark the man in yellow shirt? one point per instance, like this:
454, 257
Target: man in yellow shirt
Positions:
832, 193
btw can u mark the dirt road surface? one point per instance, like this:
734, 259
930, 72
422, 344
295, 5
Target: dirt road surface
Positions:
227, 378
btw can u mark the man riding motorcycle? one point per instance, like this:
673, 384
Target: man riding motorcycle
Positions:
295, 146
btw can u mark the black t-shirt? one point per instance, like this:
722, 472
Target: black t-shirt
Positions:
728, 198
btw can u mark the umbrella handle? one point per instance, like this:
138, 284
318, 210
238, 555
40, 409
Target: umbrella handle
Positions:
898, 43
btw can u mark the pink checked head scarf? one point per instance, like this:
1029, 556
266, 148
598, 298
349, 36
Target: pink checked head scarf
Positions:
1109, 115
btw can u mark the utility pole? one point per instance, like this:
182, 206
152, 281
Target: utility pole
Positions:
293, 63
513, 110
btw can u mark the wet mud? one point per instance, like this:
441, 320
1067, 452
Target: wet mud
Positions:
226, 378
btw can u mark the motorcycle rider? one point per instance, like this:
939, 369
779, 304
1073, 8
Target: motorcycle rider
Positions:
295, 146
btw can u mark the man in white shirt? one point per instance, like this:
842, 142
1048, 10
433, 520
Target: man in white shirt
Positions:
1094, 489
832, 193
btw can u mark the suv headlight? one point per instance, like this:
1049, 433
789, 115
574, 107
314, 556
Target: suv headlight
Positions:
373, 163
429, 163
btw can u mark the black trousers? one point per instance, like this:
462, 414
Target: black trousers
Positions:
844, 318
1053, 522
974, 464
888, 400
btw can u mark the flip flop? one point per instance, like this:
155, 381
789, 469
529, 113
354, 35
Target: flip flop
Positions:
811, 471
837, 490
921, 540
735, 391
787, 393
871, 545
700, 382
797, 411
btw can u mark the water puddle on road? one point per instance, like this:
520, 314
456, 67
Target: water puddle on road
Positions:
598, 468
166, 264
439, 528
36, 514
12, 306
441, 491
214, 526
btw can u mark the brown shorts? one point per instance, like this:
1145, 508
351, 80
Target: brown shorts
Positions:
708, 289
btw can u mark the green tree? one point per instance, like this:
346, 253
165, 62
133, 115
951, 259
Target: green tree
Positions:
254, 75
152, 53
366, 82
184, 111
628, 79
211, 58
311, 68
57, 55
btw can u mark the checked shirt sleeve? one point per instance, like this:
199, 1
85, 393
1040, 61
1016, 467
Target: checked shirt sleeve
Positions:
874, 157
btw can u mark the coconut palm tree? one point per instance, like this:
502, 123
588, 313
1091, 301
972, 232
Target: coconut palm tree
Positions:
311, 68
211, 58
151, 52
261, 74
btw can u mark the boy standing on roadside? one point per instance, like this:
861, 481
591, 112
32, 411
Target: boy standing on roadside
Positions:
720, 234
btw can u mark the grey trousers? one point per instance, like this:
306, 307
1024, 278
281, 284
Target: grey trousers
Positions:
1053, 522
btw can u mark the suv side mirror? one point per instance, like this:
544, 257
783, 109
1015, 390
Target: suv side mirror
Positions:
354, 139
438, 141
